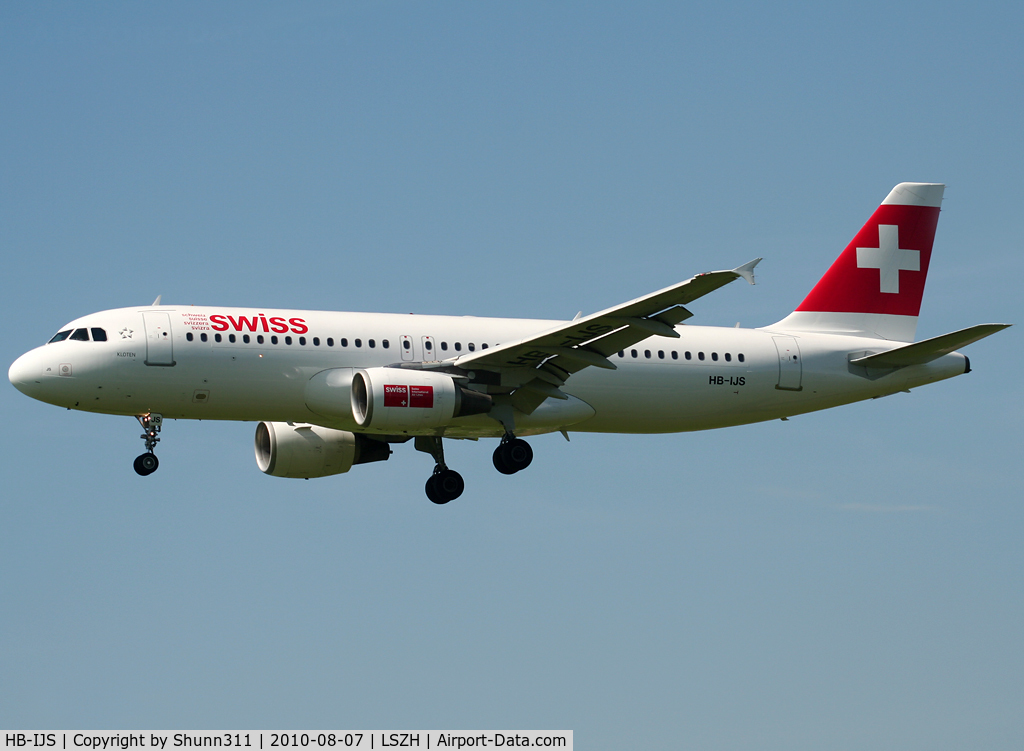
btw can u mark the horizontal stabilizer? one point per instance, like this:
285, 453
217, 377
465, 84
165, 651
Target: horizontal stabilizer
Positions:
930, 349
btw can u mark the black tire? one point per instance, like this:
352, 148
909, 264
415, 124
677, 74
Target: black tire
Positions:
146, 464
500, 462
512, 456
518, 454
431, 489
448, 484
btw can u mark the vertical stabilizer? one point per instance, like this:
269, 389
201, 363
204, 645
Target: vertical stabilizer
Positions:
875, 286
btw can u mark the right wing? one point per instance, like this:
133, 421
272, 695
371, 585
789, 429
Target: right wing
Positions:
543, 362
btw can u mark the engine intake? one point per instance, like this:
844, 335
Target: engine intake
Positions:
285, 449
400, 399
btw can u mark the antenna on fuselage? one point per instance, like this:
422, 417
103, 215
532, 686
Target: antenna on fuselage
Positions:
156, 302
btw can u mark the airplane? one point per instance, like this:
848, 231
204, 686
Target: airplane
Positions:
330, 390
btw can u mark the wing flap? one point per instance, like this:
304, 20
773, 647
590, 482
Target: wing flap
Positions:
929, 349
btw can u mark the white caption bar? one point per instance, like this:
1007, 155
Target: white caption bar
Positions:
272, 740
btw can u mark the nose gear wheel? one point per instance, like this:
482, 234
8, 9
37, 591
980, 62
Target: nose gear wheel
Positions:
147, 464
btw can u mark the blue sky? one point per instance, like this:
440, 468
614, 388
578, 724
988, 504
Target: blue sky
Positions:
850, 579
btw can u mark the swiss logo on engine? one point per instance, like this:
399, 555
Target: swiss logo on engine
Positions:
396, 396
409, 396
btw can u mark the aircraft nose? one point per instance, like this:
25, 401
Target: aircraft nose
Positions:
25, 374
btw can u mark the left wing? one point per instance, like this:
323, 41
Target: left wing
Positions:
543, 362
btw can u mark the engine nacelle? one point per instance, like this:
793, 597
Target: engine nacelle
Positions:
285, 449
402, 400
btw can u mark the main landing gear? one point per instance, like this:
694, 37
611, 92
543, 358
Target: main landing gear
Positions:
146, 464
512, 455
444, 484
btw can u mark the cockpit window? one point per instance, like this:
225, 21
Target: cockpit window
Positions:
98, 335
60, 336
80, 335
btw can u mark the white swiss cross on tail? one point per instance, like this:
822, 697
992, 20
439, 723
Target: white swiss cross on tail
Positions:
889, 258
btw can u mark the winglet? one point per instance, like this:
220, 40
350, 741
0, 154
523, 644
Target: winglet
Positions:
747, 270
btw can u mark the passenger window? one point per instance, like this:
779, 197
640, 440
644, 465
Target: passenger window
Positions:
316, 341
633, 352
330, 341
344, 342
739, 357
203, 337
458, 346
385, 344
661, 354
231, 338
689, 356
700, 355
245, 338
287, 340
259, 338
406, 344
675, 355
483, 346
60, 336
728, 357
372, 343
647, 354
216, 337
472, 346
273, 339
444, 346
714, 356
188, 336
622, 353
80, 335
359, 342
302, 341
99, 335
428, 345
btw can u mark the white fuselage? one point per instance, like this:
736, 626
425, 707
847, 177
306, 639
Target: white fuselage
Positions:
168, 360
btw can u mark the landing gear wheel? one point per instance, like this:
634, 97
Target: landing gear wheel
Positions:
498, 457
151, 422
445, 486
432, 491
146, 464
512, 456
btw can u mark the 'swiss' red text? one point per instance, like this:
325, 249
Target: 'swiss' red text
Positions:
275, 324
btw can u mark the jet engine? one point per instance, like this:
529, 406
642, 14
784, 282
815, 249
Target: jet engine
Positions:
285, 449
401, 400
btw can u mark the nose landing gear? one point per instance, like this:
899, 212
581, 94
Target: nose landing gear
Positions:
146, 464
444, 484
512, 455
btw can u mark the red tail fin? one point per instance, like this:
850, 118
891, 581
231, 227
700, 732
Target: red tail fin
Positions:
875, 286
